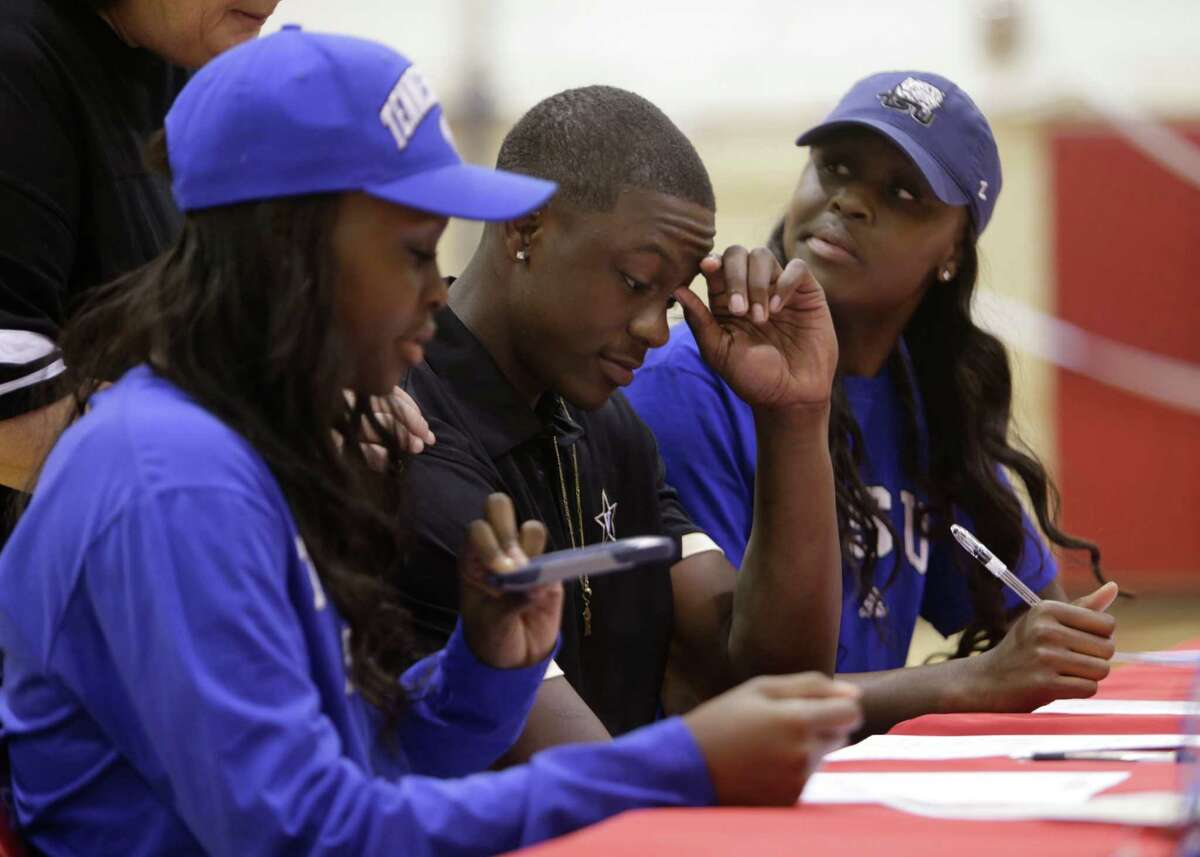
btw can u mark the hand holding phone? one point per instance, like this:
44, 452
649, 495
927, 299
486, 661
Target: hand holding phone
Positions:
503, 630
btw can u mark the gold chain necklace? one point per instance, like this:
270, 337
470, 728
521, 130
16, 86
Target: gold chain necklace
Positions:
585, 585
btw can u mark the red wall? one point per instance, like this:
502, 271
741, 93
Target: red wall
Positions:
1127, 253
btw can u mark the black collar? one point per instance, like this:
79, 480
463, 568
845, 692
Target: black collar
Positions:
494, 410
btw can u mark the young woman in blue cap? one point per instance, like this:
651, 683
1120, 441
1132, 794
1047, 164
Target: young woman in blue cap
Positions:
902, 180
204, 649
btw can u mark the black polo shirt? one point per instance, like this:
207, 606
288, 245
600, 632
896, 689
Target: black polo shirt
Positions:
488, 440
78, 207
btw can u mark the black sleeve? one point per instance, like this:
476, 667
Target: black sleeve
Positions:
446, 487
39, 206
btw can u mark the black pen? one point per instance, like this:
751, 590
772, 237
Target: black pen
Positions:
1178, 754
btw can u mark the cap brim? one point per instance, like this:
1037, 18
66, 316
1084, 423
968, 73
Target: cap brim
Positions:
939, 180
468, 191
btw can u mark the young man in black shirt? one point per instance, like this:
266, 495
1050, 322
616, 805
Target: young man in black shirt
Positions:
83, 85
551, 316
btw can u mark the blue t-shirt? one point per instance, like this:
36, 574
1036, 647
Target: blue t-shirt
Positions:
176, 677
706, 437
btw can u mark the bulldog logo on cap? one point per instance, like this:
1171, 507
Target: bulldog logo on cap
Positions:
915, 97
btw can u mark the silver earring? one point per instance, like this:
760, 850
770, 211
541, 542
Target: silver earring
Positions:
522, 255
946, 275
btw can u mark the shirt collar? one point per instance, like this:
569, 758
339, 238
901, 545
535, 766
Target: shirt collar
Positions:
497, 414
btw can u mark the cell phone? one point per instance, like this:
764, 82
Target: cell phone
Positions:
620, 555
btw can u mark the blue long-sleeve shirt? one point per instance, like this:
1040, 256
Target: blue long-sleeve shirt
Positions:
706, 437
177, 679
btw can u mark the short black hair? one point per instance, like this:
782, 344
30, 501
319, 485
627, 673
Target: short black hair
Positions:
596, 141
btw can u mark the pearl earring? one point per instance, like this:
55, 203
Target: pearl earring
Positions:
522, 255
946, 275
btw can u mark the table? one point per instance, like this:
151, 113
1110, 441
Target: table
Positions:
873, 829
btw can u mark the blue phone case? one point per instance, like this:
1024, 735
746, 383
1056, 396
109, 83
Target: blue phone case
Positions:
604, 558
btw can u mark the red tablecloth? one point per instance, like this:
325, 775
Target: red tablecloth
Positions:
820, 831
1140, 682
871, 829
1038, 724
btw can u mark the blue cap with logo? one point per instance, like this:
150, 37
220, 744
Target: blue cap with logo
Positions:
300, 113
937, 125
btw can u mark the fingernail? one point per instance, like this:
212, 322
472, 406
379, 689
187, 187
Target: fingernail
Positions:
505, 563
776, 303
737, 304
757, 314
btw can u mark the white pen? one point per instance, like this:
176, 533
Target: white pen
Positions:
989, 561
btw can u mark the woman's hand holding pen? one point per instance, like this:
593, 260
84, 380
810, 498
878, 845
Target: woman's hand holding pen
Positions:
1054, 651
506, 630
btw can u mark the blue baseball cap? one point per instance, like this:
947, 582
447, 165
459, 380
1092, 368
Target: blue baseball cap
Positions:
300, 113
937, 125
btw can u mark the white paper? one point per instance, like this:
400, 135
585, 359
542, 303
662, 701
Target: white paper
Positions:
1169, 658
1169, 707
959, 788
1141, 809
978, 746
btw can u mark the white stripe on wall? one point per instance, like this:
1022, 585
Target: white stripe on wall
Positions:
1172, 382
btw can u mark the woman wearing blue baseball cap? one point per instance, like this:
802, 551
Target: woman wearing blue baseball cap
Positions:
902, 179
204, 649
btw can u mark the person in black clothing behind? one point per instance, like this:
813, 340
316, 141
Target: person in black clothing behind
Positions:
550, 317
82, 87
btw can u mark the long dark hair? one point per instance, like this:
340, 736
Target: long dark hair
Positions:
238, 315
965, 384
